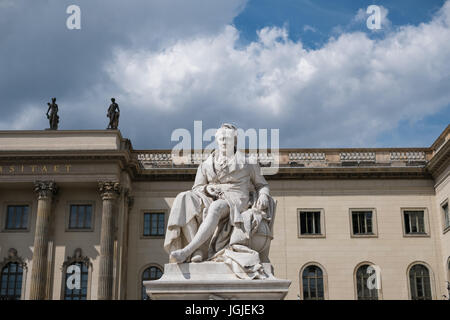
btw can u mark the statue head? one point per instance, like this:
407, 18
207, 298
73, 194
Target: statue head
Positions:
113, 100
226, 138
53, 100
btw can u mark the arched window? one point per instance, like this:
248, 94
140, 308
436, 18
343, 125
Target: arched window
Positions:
420, 282
76, 277
76, 289
312, 283
151, 273
11, 281
11, 276
362, 284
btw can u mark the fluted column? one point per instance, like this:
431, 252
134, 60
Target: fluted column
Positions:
45, 191
109, 192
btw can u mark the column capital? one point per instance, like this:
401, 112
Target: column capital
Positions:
109, 189
45, 189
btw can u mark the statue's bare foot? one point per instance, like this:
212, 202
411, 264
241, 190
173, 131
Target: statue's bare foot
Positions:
178, 256
197, 256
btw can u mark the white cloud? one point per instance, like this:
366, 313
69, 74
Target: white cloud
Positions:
309, 28
347, 92
359, 21
360, 15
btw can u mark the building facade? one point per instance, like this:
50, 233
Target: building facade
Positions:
83, 216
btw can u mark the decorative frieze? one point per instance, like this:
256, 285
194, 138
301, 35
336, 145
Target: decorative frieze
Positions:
162, 159
357, 156
166, 159
265, 158
155, 156
408, 156
306, 156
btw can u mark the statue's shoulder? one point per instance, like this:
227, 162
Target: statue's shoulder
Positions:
209, 159
208, 162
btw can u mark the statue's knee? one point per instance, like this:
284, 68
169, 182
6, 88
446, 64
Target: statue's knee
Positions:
218, 207
184, 194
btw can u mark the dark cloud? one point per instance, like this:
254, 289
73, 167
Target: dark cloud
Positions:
41, 58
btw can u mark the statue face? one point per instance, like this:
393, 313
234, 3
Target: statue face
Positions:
225, 141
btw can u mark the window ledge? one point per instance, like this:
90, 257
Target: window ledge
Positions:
16, 230
320, 235
416, 235
152, 237
364, 235
79, 230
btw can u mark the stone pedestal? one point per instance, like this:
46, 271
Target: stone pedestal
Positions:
213, 281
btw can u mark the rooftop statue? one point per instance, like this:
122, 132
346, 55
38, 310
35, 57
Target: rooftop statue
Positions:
227, 216
53, 116
113, 115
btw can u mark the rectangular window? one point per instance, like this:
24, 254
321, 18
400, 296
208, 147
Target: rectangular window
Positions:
154, 223
444, 208
17, 217
362, 222
80, 217
310, 222
414, 221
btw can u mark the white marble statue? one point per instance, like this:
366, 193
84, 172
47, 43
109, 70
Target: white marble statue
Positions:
227, 216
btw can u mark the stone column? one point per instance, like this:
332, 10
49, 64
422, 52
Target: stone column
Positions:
45, 191
109, 192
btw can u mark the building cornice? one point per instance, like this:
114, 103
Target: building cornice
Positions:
440, 160
156, 165
286, 173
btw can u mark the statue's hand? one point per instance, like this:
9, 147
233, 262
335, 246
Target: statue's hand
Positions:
212, 190
263, 201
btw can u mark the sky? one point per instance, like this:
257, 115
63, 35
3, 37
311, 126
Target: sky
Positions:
312, 69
